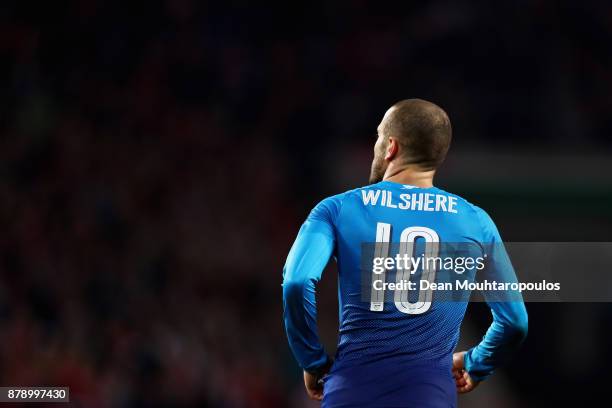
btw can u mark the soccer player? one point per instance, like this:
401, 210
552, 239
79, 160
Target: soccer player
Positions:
395, 354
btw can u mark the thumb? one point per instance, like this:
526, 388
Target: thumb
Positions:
458, 362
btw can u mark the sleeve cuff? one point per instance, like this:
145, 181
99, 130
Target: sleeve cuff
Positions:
475, 374
320, 368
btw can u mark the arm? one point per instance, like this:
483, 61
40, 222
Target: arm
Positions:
509, 326
308, 257
503, 338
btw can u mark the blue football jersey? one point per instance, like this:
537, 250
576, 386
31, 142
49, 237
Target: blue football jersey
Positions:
381, 338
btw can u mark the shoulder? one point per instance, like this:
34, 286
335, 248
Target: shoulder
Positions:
483, 218
330, 208
474, 209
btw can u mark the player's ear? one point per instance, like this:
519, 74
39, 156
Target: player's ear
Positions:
392, 148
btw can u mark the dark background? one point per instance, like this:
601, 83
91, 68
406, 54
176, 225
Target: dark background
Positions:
157, 159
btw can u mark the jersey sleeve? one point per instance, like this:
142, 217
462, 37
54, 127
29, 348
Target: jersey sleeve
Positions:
307, 258
509, 326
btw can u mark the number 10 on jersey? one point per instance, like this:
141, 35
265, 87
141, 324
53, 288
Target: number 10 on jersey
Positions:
407, 245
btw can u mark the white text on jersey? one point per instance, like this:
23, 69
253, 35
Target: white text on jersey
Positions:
410, 201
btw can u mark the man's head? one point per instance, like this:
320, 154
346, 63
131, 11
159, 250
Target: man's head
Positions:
414, 133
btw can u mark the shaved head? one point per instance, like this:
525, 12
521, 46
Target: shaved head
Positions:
422, 130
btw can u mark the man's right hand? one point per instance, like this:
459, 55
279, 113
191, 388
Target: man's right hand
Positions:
314, 382
314, 388
462, 379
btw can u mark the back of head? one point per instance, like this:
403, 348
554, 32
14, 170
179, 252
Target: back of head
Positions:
422, 129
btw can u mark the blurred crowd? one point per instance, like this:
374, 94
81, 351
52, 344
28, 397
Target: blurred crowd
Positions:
157, 160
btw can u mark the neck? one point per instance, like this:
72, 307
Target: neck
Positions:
410, 175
